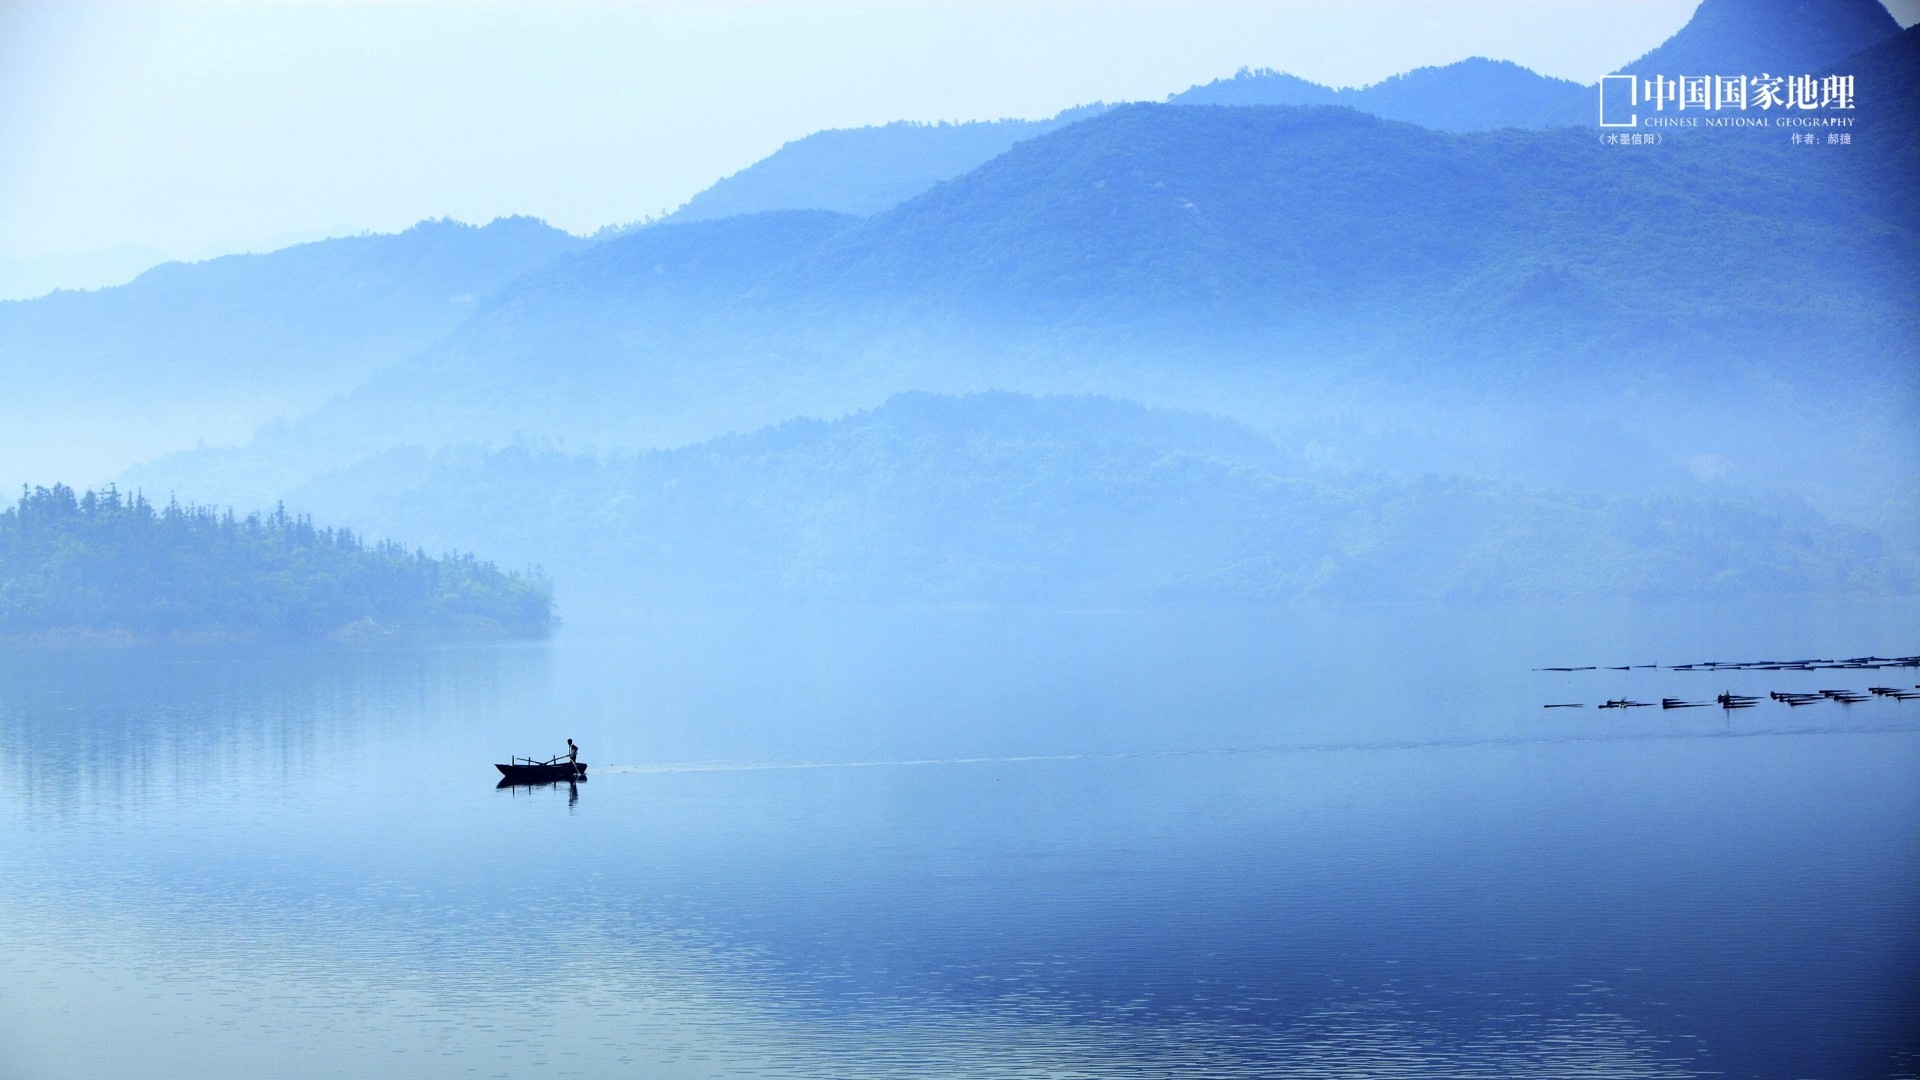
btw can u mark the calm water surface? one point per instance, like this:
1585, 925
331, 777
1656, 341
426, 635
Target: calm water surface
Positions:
1208, 844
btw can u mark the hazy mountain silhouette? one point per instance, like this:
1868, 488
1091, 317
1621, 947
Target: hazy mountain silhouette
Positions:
1476, 94
1013, 499
1887, 81
1257, 86
24, 279
213, 349
666, 271
1779, 37
1329, 226
865, 170
1275, 264
1527, 305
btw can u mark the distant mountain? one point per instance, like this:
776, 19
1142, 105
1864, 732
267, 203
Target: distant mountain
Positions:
627, 341
1258, 86
1778, 37
665, 268
865, 170
1274, 264
1889, 73
23, 279
1013, 499
1886, 127
213, 349
1476, 94
1321, 224
1887, 82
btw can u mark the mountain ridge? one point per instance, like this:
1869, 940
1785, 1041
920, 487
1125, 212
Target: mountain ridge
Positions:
1475, 94
239, 339
1265, 262
862, 171
1007, 498
1779, 37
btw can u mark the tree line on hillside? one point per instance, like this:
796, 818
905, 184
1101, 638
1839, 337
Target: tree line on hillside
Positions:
1006, 498
107, 564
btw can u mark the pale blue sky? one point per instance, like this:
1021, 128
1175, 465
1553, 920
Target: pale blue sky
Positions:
189, 126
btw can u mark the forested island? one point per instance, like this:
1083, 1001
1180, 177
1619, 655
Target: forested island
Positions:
107, 566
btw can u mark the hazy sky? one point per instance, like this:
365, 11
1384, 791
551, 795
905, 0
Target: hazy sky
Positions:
185, 126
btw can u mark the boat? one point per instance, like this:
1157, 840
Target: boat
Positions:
552, 770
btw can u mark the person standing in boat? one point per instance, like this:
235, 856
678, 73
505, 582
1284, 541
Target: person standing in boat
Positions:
573, 753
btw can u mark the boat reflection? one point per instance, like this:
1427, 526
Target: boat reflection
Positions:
516, 786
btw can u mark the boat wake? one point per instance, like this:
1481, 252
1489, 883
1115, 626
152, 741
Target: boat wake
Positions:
1300, 748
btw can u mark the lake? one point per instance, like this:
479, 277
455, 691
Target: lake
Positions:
982, 843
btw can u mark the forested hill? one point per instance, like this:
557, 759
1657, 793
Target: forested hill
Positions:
1013, 499
106, 566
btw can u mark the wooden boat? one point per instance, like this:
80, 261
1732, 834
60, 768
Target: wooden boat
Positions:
529, 771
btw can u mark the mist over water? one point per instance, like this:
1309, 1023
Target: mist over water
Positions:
856, 842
